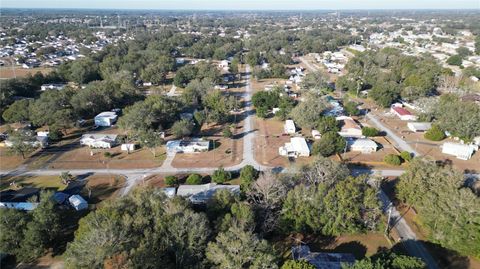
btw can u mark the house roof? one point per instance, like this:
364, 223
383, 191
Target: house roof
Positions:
204, 192
322, 260
299, 144
76, 200
401, 111
363, 143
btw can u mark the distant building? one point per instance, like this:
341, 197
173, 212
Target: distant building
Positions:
104, 141
419, 126
322, 260
199, 194
461, 151
402, 113
349, 127
128, 147
316, 134
105, 119
295, 148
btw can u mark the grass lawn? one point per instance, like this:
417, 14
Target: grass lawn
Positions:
43, 182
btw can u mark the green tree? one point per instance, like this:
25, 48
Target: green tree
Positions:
446, 207
144, 229
352, 108
13, 223
182, 128
194, 179
221, 176
171, 181
248, 175
315, 81
329, 144
18, 111
21, 143
390, 260
435, 134
237, 248
370, 131
83, 71
327, 124
227, 132
406, 156
151, 140
307, 113
297, 264
392, 159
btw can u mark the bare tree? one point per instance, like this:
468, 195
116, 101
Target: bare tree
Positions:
266, 195
324, 170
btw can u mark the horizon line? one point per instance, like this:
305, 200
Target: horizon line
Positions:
240, 9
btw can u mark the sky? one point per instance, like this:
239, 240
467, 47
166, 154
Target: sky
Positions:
244, 4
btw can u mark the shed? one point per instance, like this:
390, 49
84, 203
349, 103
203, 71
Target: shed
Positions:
419, 126
316, 134
78, 202
128, 147
402, 113
289, 127
461, 151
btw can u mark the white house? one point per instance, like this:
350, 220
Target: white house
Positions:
316, 134
128, 147
363, 145
199, 194
104, 141
78, 202
461, 151
296, 147
289, 127
188, 146
105, 119
349, 127
402, 113
56, 86
419, 126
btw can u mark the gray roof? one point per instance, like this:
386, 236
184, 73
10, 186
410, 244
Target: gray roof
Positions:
322, 260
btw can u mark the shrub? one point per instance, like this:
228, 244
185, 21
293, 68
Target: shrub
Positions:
227, 132
220, 176
435, 134
248, 174
194, 179
352, 108
406, 156
369, 131
299, 264
107, 154
392, 159
171, 180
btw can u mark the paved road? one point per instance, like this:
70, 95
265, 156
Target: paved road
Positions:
408, 237
400, 143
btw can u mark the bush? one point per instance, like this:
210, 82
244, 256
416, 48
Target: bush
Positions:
171, 181
248, 174
262, 112
352, 108
227, 132
392, 159
220, 175
182, 128
455, 60
370, 131
194, 179
107, 154
406, 156
435, 134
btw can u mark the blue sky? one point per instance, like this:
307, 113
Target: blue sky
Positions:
245, 4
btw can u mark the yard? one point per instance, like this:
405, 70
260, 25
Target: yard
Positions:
43, 182
9, 72
223, 151
102, 187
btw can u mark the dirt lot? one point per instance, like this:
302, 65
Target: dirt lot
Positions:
427, 147
267, 142
9, 161
223, 152
8, 72
102, 187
